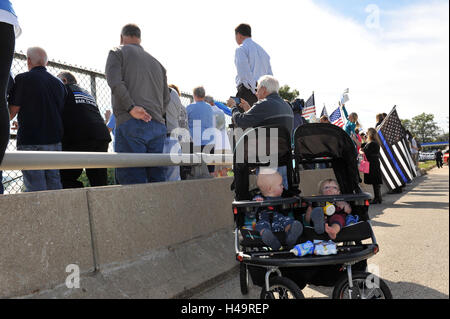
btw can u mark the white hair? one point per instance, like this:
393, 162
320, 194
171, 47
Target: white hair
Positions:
209, 99
270, 83
37, 56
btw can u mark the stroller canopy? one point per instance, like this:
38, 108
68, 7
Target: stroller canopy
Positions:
316, 140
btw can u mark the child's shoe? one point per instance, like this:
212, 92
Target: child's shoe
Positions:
351, 219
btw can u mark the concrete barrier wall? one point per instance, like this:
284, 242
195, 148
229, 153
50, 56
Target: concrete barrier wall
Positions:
40, 234
106, 228
133, 220
43, 232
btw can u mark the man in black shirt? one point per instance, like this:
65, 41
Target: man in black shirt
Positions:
37, 98
84, 131
438, 157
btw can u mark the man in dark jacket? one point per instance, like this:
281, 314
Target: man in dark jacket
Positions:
38, 98
438, 156
270, 109
84, 131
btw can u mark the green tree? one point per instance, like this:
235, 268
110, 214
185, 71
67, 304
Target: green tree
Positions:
406, 124
423, 127
442, 137
286, 93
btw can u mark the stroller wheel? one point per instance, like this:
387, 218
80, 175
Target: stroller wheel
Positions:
282, 288
243, 278
365, 286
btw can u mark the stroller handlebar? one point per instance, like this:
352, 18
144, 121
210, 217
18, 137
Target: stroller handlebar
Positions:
266, 203
337, 198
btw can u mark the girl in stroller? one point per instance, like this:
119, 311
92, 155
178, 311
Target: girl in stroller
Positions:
330, 224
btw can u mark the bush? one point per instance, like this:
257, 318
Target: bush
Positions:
427, 165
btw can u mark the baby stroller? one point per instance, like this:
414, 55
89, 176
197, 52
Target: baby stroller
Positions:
283, 275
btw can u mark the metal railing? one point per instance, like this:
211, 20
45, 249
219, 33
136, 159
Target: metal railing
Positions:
34, 160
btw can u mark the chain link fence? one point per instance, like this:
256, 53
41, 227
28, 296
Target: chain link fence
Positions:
93, 81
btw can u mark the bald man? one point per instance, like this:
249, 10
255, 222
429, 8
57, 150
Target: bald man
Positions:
37, 98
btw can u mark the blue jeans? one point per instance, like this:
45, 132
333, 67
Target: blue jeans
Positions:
136, 136
172, 173
41, 180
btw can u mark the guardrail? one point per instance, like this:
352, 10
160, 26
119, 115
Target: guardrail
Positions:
32, 160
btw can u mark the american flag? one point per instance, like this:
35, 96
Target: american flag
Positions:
336, 117
396, 162
310, 108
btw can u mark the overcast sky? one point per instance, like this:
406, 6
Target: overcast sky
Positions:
386, 52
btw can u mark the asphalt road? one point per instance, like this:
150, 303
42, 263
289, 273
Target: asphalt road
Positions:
412, 230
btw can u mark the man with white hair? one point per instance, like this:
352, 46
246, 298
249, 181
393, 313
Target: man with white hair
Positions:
37, 98
270, 109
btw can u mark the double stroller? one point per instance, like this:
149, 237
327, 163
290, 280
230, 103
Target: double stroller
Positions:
281, 274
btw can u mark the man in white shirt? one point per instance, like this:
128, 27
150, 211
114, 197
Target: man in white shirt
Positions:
251, 62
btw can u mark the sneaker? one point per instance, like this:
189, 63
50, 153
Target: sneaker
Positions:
351, 219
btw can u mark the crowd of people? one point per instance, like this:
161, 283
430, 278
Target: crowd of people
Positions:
56, 114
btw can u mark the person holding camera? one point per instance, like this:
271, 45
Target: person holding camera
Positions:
270, 109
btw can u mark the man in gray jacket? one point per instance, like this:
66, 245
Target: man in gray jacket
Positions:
140, 96
270, 109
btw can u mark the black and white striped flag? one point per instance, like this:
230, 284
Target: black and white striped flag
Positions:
396, 162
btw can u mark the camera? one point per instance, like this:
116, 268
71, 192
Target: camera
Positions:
236, 100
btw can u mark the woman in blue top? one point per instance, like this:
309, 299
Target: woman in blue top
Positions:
350, 126
9, 30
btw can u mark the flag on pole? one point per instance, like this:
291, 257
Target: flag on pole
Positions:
396, 162
324, 111
310, 108
336, 117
